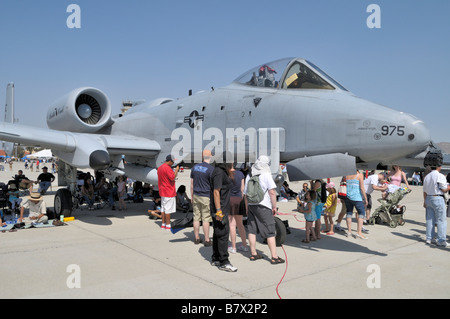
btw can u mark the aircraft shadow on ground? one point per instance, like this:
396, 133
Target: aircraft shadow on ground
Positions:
103, 216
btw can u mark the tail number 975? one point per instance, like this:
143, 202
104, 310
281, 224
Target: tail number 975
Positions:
389, 130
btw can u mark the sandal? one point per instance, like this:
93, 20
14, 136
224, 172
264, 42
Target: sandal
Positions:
256, 257
277, 260
306, 241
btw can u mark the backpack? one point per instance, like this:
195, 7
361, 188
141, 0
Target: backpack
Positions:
255, 193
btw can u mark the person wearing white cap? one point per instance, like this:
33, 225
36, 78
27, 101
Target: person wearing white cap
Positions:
260, 215
37, 209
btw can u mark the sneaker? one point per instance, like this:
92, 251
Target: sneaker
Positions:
338, 227
443, 244
215, 263
231, 250
228, 267
163, 226
364, 230
168, 228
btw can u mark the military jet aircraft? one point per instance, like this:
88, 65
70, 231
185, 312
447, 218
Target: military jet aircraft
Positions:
288, 109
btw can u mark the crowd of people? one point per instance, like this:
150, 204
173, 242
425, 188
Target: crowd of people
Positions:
354, 193
220, 196
114, 193
10, 196
91, 190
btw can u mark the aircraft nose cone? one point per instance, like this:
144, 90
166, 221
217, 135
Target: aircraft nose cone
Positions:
419, 135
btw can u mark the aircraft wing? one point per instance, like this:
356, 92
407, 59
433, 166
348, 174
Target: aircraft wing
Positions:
81, 150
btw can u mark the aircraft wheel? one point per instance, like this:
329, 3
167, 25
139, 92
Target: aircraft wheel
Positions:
280, 228
63, 203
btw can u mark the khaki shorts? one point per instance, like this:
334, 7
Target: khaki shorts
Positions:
202, 210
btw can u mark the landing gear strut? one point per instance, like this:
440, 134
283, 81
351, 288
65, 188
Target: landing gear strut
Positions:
63, 203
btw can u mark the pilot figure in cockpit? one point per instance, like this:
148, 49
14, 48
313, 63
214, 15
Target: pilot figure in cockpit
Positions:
296, 80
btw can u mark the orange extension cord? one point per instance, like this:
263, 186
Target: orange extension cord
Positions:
285, 271
285, 255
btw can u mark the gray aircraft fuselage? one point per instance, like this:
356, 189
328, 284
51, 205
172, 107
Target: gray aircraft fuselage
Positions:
314, 121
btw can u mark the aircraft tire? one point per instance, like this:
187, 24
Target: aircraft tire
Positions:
280, 228
63, 203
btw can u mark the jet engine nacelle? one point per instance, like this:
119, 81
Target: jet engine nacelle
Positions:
84, 110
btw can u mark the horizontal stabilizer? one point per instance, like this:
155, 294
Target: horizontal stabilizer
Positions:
321, 166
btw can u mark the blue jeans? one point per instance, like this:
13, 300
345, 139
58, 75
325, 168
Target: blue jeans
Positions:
89, 201
43, 186
359, 205
436, 214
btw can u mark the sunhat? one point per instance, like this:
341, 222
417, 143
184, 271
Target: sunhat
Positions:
35, 196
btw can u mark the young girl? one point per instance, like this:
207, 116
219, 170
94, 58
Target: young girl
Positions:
310, 215
320, 195
330, 208
122, 193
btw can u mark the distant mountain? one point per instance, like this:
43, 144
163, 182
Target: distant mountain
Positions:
445, 147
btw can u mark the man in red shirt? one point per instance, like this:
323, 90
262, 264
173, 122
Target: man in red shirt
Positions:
166, 186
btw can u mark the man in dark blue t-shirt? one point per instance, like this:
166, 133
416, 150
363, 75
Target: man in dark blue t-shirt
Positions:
200, 194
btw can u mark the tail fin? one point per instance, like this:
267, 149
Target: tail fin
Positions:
8, 147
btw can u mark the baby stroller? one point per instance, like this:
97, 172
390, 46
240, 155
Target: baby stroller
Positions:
390, 211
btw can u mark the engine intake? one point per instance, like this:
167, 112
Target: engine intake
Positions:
86, 110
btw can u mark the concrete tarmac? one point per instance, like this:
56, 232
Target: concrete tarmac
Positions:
123, 254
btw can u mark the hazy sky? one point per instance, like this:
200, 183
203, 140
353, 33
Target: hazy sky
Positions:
140, 49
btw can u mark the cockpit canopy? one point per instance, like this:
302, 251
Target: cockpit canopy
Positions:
289, 73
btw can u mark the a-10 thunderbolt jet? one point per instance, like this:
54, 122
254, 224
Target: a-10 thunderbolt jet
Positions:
288, 109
